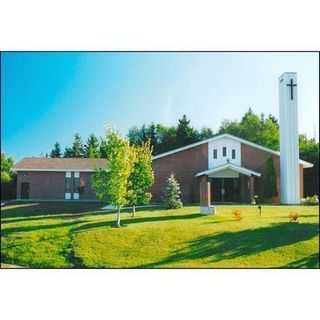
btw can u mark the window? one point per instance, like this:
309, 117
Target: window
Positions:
224, 151
233, 153
215, 153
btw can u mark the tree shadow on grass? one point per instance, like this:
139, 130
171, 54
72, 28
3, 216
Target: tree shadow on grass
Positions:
128, 221
311, 261
231, 245
48, 208
7, 231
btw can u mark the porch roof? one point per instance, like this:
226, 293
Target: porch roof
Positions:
232, 167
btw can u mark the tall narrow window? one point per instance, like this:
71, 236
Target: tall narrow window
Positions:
233, 153
224, 151
215, 153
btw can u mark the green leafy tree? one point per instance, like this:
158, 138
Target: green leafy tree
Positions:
172, 198
120, 162
270, 180
92, 147
141, 177
56, 151
6, 168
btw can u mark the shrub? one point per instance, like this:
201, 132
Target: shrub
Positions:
172, 198
293, 216
237, 214
311, 201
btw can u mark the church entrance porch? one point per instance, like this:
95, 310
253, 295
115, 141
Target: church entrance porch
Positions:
226, 184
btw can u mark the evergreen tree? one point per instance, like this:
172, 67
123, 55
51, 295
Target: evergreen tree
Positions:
56, 151
92, 147
172, 198
68, 152
77, 147
103, 149
185, 133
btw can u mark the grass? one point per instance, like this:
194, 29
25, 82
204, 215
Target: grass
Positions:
60, 235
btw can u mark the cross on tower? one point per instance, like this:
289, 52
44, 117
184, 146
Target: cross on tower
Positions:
291, 85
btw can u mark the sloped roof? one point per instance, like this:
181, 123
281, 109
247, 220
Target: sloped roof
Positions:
232, 167
60, 164
230, 136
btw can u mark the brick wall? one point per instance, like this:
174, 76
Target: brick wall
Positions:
51, 185
184, 165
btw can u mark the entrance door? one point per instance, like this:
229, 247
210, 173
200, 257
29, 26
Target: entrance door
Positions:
25, 190
225, 190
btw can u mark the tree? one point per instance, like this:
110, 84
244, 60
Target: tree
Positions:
141, 177
185, 133
68, 152
116, 175
92, 147
56, 151
172, 198
103, 149
270, 180
77, 147
6, 168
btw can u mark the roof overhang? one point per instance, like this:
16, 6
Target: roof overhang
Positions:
52, 170
230, 136
232, 167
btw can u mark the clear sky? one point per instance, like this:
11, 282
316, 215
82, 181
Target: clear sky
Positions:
48, 97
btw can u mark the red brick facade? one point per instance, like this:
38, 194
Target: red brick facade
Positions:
184, 164
50, 185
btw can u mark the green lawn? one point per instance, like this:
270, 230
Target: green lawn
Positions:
78, 235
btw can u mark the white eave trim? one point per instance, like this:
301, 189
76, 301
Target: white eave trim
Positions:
227, 135
230, 166
54, 170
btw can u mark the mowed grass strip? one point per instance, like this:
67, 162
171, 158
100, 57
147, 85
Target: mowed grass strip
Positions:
71, 236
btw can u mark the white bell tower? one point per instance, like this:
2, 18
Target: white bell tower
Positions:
289, 139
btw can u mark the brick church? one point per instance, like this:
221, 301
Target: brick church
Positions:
230, 168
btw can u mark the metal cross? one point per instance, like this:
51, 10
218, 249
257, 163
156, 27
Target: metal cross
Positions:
291, 85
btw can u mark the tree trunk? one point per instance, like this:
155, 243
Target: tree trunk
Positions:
118, 217
133, 210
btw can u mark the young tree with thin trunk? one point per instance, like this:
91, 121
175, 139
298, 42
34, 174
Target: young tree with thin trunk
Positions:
141, 177
113, 182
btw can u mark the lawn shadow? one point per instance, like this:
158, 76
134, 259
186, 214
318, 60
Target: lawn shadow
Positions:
311, 261
48, 208
7, 231
231, 245
128, 221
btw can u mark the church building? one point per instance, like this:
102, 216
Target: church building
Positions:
224, 169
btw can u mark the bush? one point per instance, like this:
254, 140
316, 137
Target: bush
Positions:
311, 201
172, 198
293, 216
237, 214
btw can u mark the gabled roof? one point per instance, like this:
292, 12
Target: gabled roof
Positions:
60, 164
232, 167
229, 136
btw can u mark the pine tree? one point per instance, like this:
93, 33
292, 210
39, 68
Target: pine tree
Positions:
172, 198
77, 147
185, 133
92, 147
56, 151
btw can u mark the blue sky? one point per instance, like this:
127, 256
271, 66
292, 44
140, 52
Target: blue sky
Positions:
48, 97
